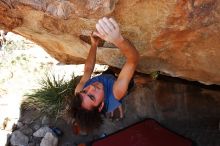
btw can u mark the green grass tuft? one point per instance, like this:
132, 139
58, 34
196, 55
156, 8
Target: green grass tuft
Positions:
50, 98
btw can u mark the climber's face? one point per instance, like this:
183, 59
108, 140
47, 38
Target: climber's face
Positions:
93, 96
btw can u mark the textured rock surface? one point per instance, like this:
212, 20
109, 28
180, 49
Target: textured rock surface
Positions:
179, 38
42, 131
168, 99
18, 139
49, 139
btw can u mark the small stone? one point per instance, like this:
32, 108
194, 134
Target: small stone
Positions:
26, 130
27, 121
45, 120
37, 140
36, 127
18, 138
42, 131
49, 140
19, 125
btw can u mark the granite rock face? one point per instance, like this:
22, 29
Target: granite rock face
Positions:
178, 38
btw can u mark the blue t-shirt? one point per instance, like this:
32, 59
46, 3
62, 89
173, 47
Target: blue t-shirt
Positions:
111, 103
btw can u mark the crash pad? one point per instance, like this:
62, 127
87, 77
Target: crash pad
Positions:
145, 133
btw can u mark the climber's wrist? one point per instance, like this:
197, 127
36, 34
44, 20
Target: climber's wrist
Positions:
119, 40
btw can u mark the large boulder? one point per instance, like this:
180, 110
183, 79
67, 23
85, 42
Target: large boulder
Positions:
178, 38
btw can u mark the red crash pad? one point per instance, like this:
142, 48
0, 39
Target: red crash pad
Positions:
145, 133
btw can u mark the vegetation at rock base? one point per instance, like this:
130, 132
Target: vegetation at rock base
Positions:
154, 75
52, 95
